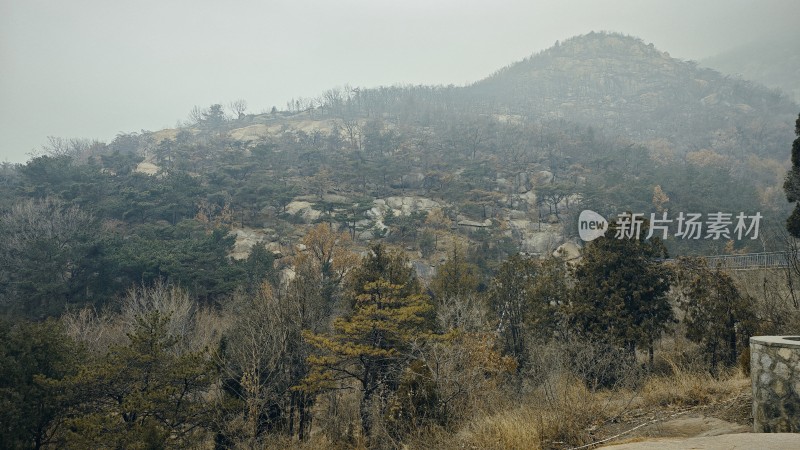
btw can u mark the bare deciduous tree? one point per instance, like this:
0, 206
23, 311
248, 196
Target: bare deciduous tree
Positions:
169, 301
238, 107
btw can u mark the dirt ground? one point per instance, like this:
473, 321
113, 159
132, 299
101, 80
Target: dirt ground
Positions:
720, 425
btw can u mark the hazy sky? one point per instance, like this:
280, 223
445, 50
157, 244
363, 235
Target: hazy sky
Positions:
94, 68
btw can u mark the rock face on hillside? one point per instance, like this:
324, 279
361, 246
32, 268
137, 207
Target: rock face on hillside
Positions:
407, 205
304, 209
535, 238
246, 239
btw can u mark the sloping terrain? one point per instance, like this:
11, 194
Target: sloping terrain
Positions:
619, 83
772, 62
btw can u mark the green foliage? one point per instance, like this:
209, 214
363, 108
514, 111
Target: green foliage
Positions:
404, 227
258, 268
53, 258
456, 289
210, 118
427, 243
33, 356
184, 254
717, 315
620, 292
144, 394
370, 346
381, 264
792, 185
511, 299
416, 403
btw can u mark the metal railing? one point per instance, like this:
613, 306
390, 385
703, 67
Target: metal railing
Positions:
747, 261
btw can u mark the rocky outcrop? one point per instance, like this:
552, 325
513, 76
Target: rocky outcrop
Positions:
147, 168
304, 209
535, 238
406, 205
474, 224
246, 238
569, 251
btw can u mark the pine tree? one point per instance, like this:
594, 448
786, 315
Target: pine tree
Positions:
141, 395
792, 185
370, 346
620, 292
34, 357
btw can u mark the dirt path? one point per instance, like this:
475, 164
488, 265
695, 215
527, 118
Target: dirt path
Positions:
724, 424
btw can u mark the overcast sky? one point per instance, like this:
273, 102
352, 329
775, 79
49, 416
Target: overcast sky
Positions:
95, 68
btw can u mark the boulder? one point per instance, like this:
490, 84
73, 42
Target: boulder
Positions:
475, 224
568, 251
424, 270
305, 209
514, 214
246, 238
408, 205
296, 206
529, 197
542, 177
540, 243
147, 168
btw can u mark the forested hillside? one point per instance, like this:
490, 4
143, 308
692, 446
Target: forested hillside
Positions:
367, 267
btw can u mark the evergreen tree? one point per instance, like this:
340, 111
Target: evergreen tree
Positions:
50, 258
524, 298
455, 293
510, 298
370, 346
620, 292
717, 315
145, 394
792, 185
33, 358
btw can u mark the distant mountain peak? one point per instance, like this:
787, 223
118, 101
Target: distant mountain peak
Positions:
625, 85
606, 49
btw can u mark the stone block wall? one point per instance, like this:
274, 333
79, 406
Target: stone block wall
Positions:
775, 375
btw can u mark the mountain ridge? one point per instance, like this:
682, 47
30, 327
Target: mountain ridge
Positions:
620, 83
772, 62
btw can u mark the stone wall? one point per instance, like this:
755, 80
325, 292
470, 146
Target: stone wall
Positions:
775, 374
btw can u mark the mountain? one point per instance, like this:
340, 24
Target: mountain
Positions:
600, 121
623, 85
772, 62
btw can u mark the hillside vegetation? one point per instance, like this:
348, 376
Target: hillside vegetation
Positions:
393, 266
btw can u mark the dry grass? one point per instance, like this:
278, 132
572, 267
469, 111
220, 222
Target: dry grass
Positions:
692, 389
683, 378
561, 413
518, 428
558, 411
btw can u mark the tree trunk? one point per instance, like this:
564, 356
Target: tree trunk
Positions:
366, 416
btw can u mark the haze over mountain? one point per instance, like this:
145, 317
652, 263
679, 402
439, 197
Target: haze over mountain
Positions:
621, 84
772, 62
601, 121
389, 261
85, 69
